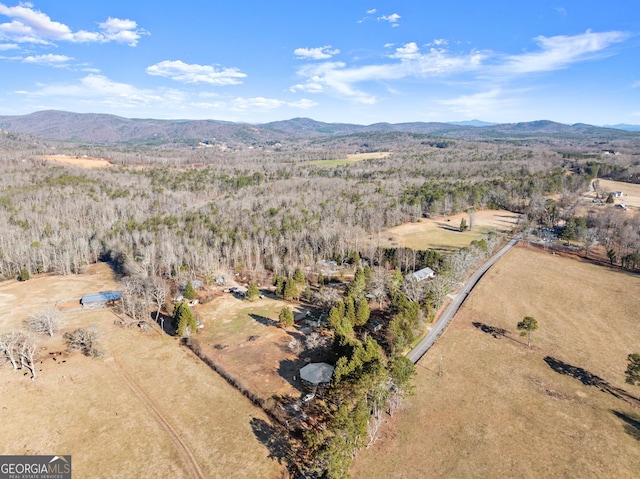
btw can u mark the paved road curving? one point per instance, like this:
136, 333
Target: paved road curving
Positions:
423, 346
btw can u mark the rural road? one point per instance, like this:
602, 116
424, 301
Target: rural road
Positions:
423, 346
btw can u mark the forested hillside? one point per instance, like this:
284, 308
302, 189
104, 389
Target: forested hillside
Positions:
198, 210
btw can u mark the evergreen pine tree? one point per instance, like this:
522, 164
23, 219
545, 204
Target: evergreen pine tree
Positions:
253, 292
298, 277
184, 320
290, 290
362, 312
189, 292
286, 317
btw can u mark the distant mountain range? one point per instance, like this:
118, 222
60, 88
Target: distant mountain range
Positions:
624, 126
111, 129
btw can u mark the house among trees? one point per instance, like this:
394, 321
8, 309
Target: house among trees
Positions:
316, 374
100, 300
421, 275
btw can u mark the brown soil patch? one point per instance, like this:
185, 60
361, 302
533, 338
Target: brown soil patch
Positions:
504, 410
244, 339
81, 161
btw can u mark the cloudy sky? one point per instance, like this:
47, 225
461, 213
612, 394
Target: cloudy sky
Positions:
336, 61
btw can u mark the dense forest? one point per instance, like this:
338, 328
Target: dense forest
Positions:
202, 210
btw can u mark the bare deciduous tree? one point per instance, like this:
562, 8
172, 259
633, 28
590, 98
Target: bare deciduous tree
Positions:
85, 340
47, 321
9, 343
27, 350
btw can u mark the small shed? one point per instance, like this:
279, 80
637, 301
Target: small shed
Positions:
421, 275
100, 300
316, 374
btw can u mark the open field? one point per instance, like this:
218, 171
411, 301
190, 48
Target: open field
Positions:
351, 158
443, 233
81, 161
149, 408
244, 338
504, 410
631, 197
631, 191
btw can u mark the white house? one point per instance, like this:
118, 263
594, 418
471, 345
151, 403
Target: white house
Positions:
421, 275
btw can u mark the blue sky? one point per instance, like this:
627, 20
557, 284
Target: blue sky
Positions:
336, 61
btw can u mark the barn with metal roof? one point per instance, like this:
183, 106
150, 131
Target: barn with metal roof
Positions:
100, 299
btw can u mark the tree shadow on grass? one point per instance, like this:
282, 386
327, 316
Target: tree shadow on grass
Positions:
274, 439
495, 331
263, 320
632, 426
589, 379
450, 228
492, 330
166, 325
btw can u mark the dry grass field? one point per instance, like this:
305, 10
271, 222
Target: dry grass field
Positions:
631, 197
351, 158
81, 161
149, 408
244, 338
504, 410
631, 191
443, 233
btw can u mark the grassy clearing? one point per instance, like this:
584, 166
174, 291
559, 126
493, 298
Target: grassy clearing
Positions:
244, 338
351, 158
443, 233
88, 408
81, 161
500, 409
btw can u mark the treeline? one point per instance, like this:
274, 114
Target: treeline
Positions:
365, 385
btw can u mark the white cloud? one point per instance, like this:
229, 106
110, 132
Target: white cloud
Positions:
309, 86
479, 104
303, 103
98, 89
407, 61
32, 26
560, 51
392, 19
437, 62
194, 73
257, 103
367, 17
8, 46
268, 104
48, 59
319, 53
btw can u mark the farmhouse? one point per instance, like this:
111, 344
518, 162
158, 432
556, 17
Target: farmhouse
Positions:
100, 300
316, 374
421, 275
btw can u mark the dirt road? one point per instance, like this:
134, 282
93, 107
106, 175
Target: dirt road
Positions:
188, 458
